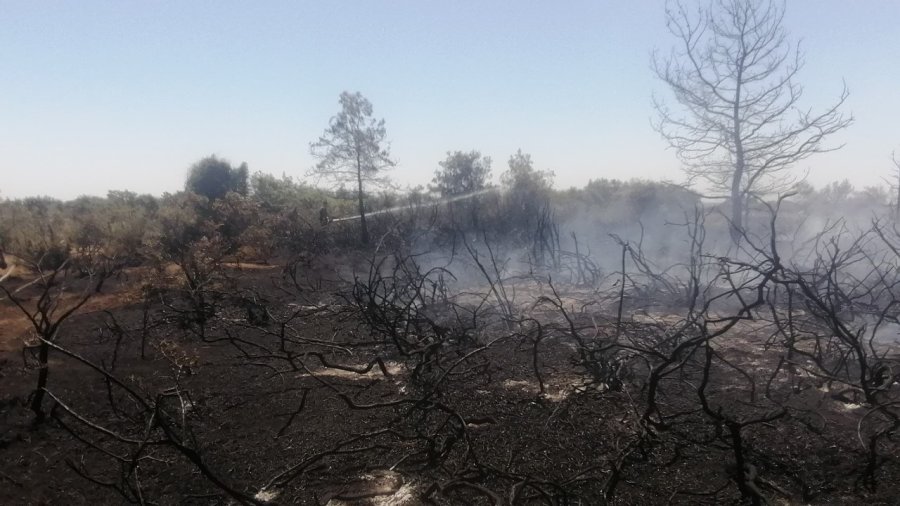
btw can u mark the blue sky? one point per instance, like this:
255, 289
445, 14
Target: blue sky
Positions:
127, 95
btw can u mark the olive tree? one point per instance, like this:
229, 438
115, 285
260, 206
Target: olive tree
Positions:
527, 188
461, 173
353, 148
214, 178
740, 126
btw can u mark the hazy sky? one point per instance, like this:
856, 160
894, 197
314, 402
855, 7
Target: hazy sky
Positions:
127, 95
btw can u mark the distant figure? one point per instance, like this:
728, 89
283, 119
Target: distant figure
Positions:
2, 259
323, 214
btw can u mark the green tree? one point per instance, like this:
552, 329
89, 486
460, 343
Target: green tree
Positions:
353, 148
461, 173
527, 188
214, 178
284, 193
527, 191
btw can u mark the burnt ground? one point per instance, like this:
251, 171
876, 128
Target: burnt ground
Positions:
240, 406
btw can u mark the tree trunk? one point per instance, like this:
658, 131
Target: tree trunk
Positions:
364, 228
737, 202
741, 477
896, 205
43, 372
737, 199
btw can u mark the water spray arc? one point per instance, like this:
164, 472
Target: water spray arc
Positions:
446, 200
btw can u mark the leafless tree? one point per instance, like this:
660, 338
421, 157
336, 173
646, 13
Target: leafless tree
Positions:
56, 303
734, 75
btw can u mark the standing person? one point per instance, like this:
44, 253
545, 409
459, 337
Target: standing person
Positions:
323, 214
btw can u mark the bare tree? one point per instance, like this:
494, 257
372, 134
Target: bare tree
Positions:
56, 303
741, 127
353, 147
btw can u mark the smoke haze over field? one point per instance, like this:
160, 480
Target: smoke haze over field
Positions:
480, 275
406, 252
105, 95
